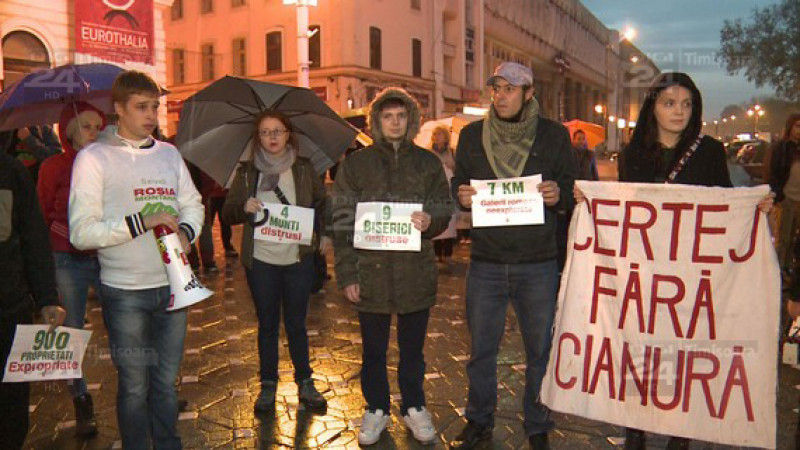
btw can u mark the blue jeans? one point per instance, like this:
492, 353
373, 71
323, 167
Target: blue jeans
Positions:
74, 274
146, 347
532, 290
282, 287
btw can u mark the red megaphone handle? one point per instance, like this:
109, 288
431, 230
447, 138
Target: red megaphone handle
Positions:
161, 230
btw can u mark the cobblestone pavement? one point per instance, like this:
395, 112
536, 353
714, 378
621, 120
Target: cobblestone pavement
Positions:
219, 379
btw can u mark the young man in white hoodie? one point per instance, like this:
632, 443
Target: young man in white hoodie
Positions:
124, 185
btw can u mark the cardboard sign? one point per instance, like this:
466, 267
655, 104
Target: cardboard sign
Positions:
286, 224
39, 355
668, 313
509, 201
386, 226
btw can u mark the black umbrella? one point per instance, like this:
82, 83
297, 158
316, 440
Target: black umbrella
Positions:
216, 124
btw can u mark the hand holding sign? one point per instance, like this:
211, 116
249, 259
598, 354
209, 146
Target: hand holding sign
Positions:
512, 201
550, 191
465, 193
53, 316
421, 220
252, 205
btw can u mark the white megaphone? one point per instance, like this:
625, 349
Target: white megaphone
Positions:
185, 288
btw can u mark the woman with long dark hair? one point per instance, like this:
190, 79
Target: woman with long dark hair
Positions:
667, 146
279, 275
784, 178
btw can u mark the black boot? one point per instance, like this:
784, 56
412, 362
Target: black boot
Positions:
635, 439
85, 423
678, 443
539, 441
471, 436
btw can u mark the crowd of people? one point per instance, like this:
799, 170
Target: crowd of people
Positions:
89, 228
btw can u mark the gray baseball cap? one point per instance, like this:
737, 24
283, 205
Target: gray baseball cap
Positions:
515, 74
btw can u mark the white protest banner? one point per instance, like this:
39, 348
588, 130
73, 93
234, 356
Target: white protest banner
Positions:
386, 226
509, 201
286, 224
668, 313
39, 355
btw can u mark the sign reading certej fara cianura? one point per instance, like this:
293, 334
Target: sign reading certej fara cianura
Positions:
115, 30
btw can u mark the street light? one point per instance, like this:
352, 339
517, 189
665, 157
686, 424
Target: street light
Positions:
733, 127
629, 34
600, 110
755, 112
302, 39
724, 121
716, 128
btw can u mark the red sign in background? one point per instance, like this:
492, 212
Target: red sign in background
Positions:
115, 30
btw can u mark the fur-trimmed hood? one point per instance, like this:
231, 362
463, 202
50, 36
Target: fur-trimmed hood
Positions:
414, 114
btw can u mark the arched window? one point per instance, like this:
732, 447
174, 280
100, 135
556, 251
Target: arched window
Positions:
23, 53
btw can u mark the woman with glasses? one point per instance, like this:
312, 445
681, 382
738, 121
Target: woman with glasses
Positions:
279, 274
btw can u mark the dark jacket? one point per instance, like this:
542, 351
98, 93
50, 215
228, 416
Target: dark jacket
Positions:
41, 144
26, 261
706, 167
782, 154
585, 164
390, 281
309, 190
551, 156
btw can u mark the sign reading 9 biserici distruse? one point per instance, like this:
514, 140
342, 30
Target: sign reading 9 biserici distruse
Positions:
386, 226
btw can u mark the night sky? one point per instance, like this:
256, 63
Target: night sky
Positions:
684, 35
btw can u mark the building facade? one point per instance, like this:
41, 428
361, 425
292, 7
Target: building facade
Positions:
441, 51
42, 34
356, 48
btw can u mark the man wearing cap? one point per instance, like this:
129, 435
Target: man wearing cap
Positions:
516, 263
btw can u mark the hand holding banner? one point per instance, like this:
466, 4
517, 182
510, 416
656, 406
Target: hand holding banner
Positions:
40, 355
509, 201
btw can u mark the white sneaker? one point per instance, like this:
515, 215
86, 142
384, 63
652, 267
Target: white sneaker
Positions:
420, 424
372, 425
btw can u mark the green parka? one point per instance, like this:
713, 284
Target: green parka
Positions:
390, 281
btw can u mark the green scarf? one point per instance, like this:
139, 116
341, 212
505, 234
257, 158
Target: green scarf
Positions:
508, 144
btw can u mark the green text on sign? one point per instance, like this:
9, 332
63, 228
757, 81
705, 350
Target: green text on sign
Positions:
46, 339
512, 187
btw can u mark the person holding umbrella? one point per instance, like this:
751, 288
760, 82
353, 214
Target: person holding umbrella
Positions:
75, 269
279, 274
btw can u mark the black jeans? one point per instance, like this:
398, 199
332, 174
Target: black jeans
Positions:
206, 242
411, 330
443, 248
13, 396
282, 287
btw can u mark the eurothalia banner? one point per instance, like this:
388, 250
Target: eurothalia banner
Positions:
667, 316
115, 30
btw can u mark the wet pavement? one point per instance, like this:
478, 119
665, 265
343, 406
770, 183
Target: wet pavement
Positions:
219, 379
